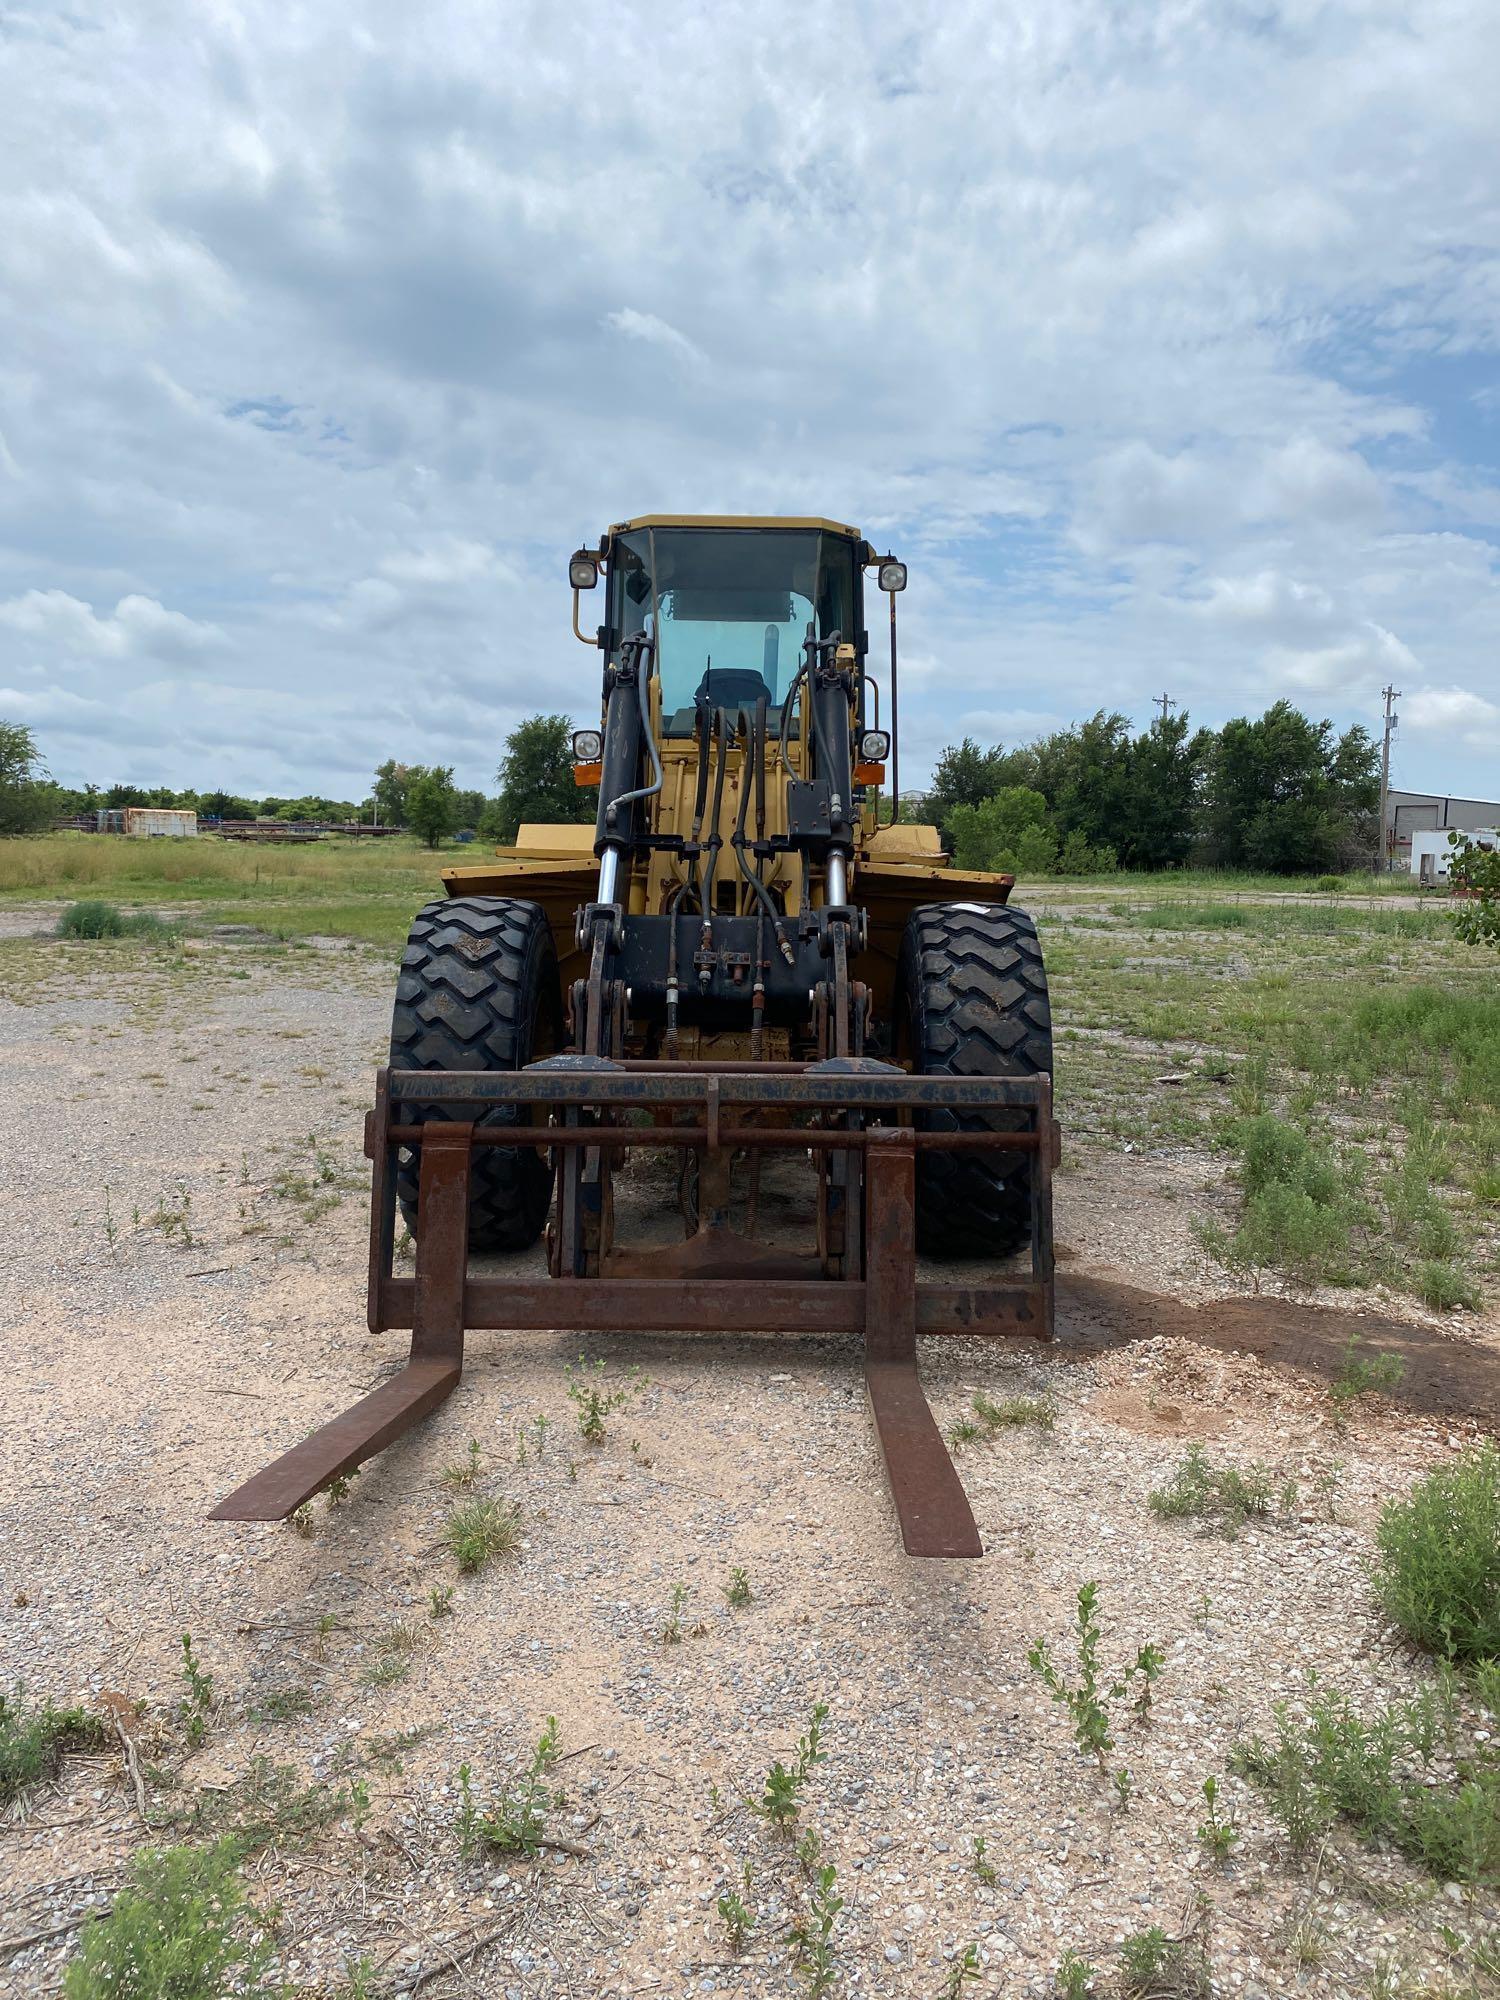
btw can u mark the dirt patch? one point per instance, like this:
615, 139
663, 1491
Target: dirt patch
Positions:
1443, 1375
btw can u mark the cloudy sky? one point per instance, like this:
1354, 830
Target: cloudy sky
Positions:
1160, 339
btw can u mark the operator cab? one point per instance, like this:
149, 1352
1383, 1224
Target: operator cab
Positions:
729, 609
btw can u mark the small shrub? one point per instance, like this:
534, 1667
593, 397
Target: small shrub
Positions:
1376, 1774
517, 1821
1446, 1286
1221, 1495
91, 920
33, 1739
481, 1530
1154, 1966
1360, 1375
1301, 1204
183, 1930
737, 1591
1075, 1977
1438, 1567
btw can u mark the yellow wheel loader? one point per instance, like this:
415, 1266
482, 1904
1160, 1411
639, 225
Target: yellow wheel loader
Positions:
749, 952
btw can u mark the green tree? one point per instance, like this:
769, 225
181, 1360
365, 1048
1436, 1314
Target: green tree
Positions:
28, 798
965, 775
1284, 795
1011, 831
431, 802
536, 779
389, 791
1160, 812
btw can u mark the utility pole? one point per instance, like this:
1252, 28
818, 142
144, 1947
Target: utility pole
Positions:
1163, 702
1383, 851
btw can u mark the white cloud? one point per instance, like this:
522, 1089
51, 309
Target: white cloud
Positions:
655, 333
1454, 712
330, 333
62, 627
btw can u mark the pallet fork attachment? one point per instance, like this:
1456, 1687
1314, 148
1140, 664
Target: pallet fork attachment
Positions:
716, 1281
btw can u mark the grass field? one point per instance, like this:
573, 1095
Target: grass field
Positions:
1330, 1037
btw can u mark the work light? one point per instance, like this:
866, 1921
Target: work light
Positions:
588, 746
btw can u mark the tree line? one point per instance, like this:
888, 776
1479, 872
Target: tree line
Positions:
534, 782
1281, 794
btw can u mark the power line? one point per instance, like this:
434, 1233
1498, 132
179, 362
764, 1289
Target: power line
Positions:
1163, 702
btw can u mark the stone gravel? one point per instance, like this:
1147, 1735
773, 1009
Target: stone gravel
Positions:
152, 1363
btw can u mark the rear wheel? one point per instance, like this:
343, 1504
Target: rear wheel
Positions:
479, 990
973, 998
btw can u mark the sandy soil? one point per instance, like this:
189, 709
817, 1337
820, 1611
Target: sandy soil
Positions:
183, 1235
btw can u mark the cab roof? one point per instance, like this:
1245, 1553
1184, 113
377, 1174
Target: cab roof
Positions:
738, 521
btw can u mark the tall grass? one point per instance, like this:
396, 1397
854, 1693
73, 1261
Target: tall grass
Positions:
61, 864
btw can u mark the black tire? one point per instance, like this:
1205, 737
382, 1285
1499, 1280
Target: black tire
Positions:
973, 997
479, 990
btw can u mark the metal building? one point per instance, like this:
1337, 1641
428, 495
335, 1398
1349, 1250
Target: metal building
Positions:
1420, 812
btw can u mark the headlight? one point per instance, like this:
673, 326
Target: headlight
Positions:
583, 571
874, 747
588, 746
892, 576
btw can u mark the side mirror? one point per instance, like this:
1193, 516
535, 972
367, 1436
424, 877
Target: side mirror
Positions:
583, 571
893, 576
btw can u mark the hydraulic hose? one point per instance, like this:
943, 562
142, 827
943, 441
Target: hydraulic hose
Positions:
611, 811
755, 747
714, 843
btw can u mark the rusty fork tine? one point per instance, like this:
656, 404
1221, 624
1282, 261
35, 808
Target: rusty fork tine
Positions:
933, 1509
437, 1347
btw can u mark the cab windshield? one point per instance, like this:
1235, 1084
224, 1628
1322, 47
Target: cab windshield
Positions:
729, 608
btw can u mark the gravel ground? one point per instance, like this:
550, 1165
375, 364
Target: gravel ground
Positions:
184, 1250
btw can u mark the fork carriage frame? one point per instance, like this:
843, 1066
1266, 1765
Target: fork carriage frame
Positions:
863, 1281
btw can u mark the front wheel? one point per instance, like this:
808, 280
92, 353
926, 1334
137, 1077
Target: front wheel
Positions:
479, 991
973, 1002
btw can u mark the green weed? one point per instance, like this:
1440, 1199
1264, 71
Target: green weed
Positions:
593, 1401
734, 1911
198, 1700
962, 1972
812, 1934
1075, 1977
1218, 1833
33, 1740
781, 1800
737, 1591
481, 1530
1221, 1495
1438, 1568
1154, 1966
183, 1930
516, 1822
1086, 1702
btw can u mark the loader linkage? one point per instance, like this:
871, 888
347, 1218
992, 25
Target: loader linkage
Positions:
861, 1280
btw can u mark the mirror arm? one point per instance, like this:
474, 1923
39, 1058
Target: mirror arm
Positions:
576, 633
